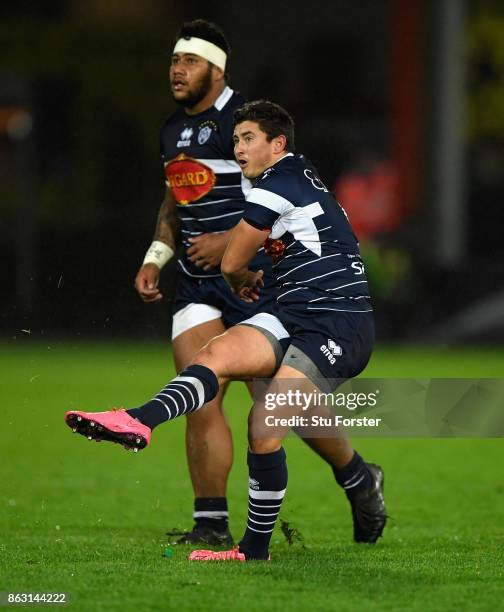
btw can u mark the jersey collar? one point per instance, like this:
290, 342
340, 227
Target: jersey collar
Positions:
282, 158
224, 98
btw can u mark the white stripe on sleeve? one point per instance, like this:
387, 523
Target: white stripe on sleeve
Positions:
270, 200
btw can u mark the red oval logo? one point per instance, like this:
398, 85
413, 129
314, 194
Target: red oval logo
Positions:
188, 179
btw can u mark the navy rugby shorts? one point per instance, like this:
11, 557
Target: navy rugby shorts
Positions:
200, 300
328, 349
331, 346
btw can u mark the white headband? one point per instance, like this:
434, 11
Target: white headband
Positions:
204, 49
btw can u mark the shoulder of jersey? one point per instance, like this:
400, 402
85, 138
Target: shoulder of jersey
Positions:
279, 181
174, 118
269, 173
237, 99
278, 177
234, 102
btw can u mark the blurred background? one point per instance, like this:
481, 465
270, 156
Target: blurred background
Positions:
399, 103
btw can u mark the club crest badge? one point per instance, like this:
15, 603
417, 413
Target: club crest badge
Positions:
205, 130
204, 134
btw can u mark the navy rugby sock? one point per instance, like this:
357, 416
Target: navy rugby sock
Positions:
267, 485
354, 476
193, 387
211, 512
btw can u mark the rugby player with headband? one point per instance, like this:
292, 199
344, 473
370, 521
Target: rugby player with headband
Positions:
204, 200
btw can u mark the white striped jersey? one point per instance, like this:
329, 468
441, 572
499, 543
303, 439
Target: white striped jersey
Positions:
317, 263
200, 169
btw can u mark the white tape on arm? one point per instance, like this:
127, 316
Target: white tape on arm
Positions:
158, 253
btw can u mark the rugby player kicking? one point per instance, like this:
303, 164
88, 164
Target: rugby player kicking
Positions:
322, 295
204, 200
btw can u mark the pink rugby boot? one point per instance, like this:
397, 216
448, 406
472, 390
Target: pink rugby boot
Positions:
220, 555
113, 426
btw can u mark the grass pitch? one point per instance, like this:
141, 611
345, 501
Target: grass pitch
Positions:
89, 519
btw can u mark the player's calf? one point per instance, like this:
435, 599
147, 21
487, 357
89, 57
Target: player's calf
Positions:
188, 392
267, 486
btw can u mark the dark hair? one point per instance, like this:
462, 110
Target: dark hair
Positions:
199, 28
272, 119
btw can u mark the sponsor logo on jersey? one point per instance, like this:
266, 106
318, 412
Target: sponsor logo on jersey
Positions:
274, 248
188, 178
315, 180
331, 351
185, 137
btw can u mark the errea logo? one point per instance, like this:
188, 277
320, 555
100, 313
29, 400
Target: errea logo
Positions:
185, 137
253, 484
331, 351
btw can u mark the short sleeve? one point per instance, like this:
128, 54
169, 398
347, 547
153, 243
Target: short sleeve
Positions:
264, 207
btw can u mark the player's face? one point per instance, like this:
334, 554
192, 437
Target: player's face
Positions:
190, 78
252, 150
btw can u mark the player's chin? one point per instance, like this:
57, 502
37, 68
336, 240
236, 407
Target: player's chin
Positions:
180, 96
248, 173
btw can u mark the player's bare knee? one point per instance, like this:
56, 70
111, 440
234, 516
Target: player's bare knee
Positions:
214, 355
210, 355
204, 356
263, 446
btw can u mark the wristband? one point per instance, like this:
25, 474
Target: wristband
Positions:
158, 253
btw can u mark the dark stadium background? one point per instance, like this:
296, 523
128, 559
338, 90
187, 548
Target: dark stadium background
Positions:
398, 103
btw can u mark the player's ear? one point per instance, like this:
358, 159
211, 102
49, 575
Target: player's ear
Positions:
217, 73
279, 143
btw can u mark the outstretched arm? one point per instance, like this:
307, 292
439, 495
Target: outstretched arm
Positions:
243, 246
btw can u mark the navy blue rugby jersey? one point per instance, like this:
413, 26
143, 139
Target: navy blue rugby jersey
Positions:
201, 170
317, 264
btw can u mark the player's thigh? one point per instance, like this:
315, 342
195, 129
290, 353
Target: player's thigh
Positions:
187, 344
240, 353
